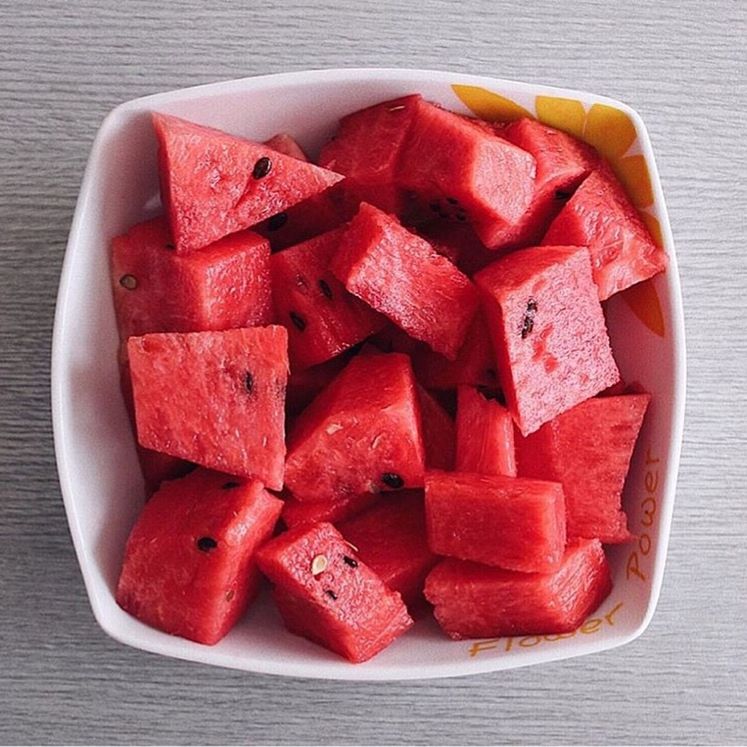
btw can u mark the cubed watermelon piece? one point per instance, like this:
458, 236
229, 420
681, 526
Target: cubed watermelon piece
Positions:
439, 432
317, 214
287, 145
322, 318
366, 150
601, 217
224, 286
474, 365
214, 398
403, 277
484, 434
327, 594
465, 172
476, 601
548, 331
562, 164
214, 184
189, 566
588, 449
340, 509
390, 539
508, 522
361, 434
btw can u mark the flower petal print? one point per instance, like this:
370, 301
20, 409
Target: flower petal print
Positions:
612, 133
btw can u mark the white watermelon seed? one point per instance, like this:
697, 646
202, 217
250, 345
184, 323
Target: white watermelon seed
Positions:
318, 565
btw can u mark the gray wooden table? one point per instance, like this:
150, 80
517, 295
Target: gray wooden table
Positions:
64, 64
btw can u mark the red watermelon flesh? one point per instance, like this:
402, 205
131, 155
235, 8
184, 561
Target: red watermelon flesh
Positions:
464, 172
588, 449
366, 150
224, 286
189, 566
318, 214
484, 434
302, 512
508, 522
601, 216
327, 594
390, 539
403, 277
287, 145
214, 184
361, 434
476, 601
155, 466
306, 384
439, 433
474, 365
548, 331
322, 318
562, 163
214, 398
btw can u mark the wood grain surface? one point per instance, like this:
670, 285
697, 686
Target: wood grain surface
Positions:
682, 65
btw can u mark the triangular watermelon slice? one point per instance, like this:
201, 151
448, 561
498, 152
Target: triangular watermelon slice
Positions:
214, 398
588, 449
213, 183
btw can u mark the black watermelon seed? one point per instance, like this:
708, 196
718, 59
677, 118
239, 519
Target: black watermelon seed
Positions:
277, 222
298, 321
331, 594
563, 195
352, 562
206, 544
324, 286
170, 246
262, 168
392, 480
452, 200
231, 484
128, 281
249, 382
527, 324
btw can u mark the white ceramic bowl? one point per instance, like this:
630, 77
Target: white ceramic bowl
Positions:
101, 483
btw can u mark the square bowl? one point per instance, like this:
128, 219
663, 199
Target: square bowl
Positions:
99, 474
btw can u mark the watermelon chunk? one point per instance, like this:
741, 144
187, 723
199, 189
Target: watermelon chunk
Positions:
340, 509
548, 330
224, 286
588, 449
189, 566
329, 595
601, 216
474, 364
366, 150
287, 145
465, 172
214, 184
562, 163
402, 276
509, 522
476, 601
214, 398
361, 434
390, 539
439, 432
484, 434
322, 318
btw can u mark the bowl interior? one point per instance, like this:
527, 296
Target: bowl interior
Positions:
99, 473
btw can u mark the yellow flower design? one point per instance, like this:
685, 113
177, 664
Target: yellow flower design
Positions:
612, 133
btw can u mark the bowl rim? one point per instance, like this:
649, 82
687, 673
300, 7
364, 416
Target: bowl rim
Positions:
314, 669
